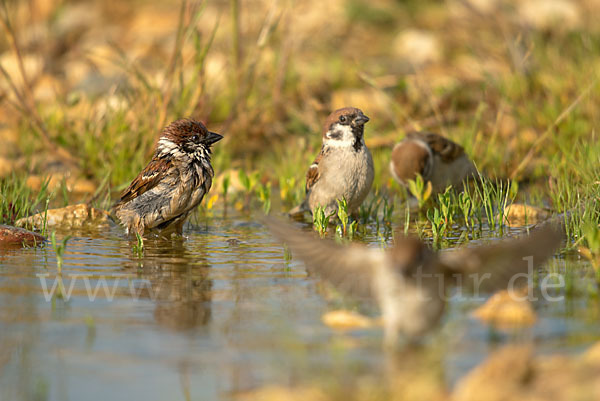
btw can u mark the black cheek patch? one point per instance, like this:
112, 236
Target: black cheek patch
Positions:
334, 135
189, 147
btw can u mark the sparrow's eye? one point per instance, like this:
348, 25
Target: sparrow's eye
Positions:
195, 138
343, 119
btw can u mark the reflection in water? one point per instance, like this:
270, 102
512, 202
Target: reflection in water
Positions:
219, 313
175, 280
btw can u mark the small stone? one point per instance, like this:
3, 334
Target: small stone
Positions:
70, 216
506, 310
280, 393
347, 320
17, 237
417, 47
520, 215
550, 15
32, 64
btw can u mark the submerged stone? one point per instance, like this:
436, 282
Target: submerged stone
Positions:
519, 214
507, 310
347, 320
18, 237
70, 216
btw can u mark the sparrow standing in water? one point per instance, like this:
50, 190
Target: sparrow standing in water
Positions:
173, 183
344, 166
435, 158
409, 280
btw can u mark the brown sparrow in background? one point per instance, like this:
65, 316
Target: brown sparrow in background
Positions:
173, 183
409, 280
344, 166
435, 158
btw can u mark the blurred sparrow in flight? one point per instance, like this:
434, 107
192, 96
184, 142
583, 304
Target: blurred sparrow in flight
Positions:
344, 166
173, 183
435, 158
409, 280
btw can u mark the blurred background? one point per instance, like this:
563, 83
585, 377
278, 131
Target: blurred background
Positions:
86, 86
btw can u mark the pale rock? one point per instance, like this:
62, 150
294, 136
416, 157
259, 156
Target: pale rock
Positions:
70, 216
519, 214
32, 64
507, 310
216, 72
550, 15
347, 320
281, 393
417, 47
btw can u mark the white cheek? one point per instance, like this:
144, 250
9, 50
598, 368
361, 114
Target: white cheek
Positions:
347, 138
167, 147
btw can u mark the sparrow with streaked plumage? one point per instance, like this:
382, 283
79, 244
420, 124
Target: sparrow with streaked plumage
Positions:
409, 280
344, 166
173, 183
437, 159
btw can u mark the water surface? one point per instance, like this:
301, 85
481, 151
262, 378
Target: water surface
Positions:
221, 312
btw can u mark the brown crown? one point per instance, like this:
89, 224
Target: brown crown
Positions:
178, 131
351, 112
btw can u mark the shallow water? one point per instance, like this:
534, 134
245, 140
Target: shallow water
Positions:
218, 313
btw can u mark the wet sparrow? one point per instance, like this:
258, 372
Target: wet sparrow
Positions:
409, 281
435, 158
173, 183
344, 166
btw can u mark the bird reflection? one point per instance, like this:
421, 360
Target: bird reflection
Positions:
175, 279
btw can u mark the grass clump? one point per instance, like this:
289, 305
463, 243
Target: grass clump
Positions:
19, 200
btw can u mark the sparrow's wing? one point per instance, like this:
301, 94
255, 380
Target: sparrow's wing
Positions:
154, 172
349, 268
495, 264
313, 173
447, 149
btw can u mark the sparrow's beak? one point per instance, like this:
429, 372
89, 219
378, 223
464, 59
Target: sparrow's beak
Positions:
212, 137
361, 119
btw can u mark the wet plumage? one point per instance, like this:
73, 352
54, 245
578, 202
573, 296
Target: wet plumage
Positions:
174, 181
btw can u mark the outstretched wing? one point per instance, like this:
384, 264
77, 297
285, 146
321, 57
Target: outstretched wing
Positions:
154, 172
313, 173
349, 268
495, 264
447, 149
